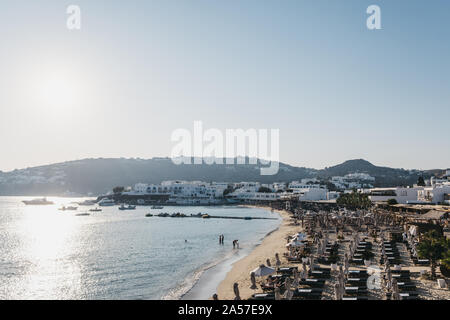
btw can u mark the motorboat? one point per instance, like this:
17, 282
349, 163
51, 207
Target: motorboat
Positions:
129, 207
38, 202
87, 203
105, 202
64, 208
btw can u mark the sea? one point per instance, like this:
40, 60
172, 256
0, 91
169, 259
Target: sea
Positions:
46, 253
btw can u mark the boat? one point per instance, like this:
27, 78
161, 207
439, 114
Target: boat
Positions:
129, 207
95, 210
86, 203
149, 215
64, 208
163, 214
198, 215
178, 215
157, 207
206, 216
105, 202
38, 202
82, 214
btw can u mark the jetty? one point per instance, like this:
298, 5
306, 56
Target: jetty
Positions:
205, 216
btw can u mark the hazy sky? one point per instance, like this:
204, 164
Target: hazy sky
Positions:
137, 70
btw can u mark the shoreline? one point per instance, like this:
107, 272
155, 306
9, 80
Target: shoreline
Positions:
273, 242
209, 278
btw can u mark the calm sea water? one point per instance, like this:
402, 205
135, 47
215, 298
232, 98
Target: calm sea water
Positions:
50, 254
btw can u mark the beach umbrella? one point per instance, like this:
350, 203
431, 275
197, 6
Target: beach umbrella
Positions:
277, 294
346, 265
300, 236
395, 290
253, 281
389, 279
295, 243
337, 291
236, 291
296, 278
263, 271
304, 274
289, 293
278, 262
311, 263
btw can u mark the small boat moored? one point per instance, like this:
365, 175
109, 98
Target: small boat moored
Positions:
38, 202
129, 207
105, 202
64, 208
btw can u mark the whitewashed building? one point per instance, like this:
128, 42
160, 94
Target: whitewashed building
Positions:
400, 194
436, 194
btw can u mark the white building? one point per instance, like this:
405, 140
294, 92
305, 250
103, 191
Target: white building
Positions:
436, 194
353, 181
400, 194
298, 187
332, 195
312, 194
248, 195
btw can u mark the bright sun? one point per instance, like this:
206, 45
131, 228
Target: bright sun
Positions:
60, 89
57, 88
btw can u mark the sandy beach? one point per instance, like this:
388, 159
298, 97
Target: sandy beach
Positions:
275, 242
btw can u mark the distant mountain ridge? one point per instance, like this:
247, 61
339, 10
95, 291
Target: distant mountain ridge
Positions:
384, 176
97, 176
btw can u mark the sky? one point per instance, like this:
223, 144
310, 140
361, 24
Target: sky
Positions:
138, 70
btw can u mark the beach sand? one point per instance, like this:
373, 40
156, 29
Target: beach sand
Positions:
275, 242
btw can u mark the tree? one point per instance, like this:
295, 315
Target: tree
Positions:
421, 182
432, 246
117, 190
227, 191
354, 200
264, 189
392, 202
445, 263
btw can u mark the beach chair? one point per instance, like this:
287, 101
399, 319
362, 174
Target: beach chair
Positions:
263, 296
